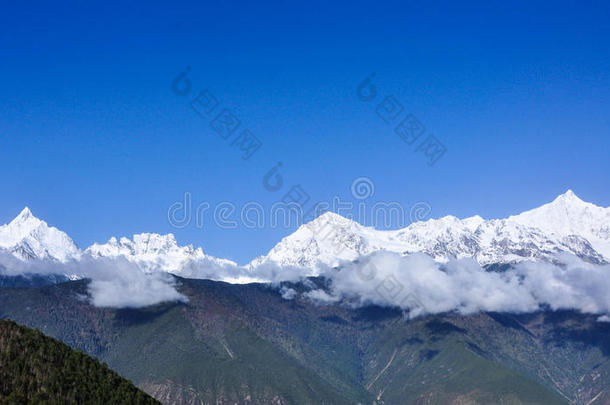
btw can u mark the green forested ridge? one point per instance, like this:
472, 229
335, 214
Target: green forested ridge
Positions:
36, 369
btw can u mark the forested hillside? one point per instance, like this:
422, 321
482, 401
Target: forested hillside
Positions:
37, 369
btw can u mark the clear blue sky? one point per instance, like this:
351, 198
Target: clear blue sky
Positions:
96, 143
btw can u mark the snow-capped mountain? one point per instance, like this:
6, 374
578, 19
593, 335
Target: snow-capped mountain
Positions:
569, 215
28, 237
568, 224
152, 252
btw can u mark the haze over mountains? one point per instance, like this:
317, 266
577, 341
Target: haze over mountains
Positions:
567, 224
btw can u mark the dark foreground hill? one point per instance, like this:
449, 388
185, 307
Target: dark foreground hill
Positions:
36, 369
245, 344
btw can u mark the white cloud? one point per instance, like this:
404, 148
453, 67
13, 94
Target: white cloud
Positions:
420, 285
119, 283
415, 283
321, 296
115, 282
288, 293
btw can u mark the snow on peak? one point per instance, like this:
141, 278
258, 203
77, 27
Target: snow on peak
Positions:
19, 228
28, 237
24, 215
568, 215
152, 252
330, 216
142, 244
566, 224
569, 195
329, 238
473, 222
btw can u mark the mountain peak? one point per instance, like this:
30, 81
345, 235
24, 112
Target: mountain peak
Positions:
570, 196
330, 216
26, 212
23, 224
26, 233
568, 215
23, 216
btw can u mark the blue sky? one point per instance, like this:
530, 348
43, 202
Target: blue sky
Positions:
97, 144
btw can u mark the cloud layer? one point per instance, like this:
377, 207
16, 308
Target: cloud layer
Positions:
420, 285
414, 283
114, 282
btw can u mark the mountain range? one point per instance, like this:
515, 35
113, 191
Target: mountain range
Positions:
567, 224
273, 343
